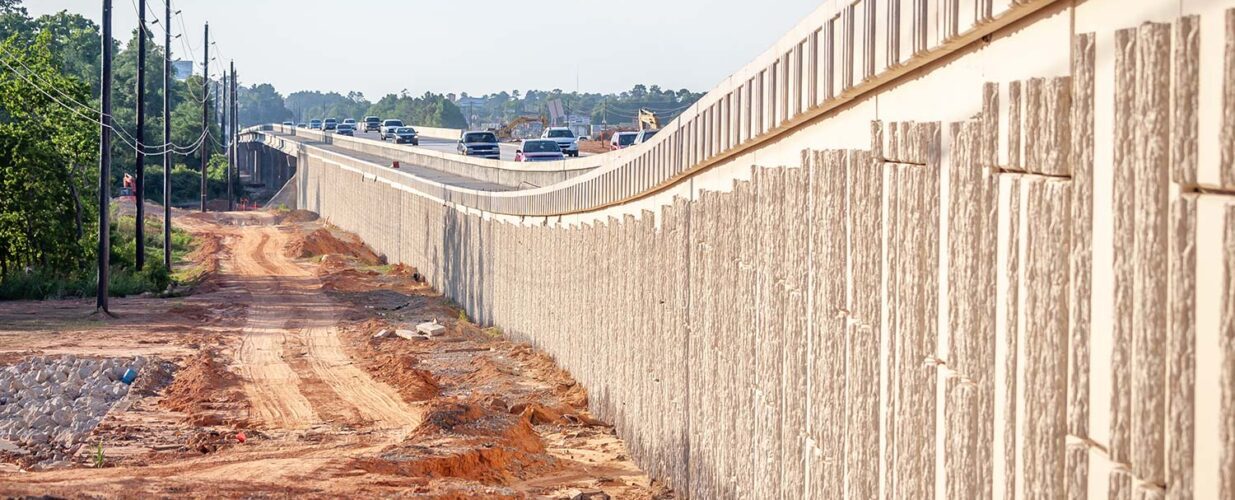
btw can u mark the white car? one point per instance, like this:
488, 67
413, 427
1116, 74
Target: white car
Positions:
622, 140
389, 127
564, 138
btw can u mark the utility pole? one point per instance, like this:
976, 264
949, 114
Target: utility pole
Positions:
205, 112
167, 137
233, 168
104, 164
140, 181
227, 134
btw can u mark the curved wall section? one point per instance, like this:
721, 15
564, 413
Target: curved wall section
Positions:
1002, 271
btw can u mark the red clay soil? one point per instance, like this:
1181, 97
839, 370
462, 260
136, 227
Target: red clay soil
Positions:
323, 242
202, 388
283, 350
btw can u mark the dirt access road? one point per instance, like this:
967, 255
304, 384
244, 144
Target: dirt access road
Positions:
279, 344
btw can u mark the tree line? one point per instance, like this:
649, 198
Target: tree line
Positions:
49, 152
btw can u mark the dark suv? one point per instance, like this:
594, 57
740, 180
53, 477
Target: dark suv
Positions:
482, 144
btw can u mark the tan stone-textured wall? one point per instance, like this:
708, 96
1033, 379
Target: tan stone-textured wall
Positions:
1035, 302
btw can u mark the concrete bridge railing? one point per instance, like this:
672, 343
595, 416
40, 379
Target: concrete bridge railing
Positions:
509, 174
990, 252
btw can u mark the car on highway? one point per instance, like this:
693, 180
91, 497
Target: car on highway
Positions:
349, 121
564, 138
315, 124
289, 124
622, 140
644, 135
371, 124
388, 128
301, 125
330, 124
539, 150
346, 129
405, 135
479, 143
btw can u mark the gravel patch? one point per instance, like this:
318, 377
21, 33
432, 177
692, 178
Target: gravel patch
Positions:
55, 403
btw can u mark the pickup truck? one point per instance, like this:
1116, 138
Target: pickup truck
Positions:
479, 143
371, 124
564, 138
388, 128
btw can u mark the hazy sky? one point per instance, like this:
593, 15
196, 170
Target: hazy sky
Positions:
474, 46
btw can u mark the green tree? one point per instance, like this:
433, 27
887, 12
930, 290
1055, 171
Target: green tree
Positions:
261, 104
46, 158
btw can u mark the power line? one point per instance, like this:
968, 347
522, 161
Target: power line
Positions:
122, 135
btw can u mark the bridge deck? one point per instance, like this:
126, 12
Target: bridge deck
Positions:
421, 171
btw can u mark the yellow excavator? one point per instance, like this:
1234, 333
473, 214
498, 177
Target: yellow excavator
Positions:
648, 120
507, 132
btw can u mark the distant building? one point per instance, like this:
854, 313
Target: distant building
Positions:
465, 102
182, 70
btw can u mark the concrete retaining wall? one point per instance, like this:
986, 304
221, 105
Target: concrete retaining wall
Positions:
1029, 294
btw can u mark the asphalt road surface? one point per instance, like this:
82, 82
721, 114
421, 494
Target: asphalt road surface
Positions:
448, 146
444, 145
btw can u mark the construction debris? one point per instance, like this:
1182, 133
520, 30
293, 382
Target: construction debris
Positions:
432, 329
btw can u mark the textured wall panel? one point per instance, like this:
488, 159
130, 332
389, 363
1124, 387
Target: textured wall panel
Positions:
1226, 433
1082, 151
1033, 137
913, 319
703, 427
794, 323
1120, 446
1181, 348
1014, 126
1046, 316
1152, 167
769, 188
1011, 248
1228, 104
827, 392
864, 211
744, 258
1185, 99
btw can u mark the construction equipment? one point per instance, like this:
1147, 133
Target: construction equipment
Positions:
507, 132
648, 120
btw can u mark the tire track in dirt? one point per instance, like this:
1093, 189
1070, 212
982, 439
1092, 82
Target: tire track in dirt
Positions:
270, 384
376, 402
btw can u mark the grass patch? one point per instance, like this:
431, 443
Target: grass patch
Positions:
125, 279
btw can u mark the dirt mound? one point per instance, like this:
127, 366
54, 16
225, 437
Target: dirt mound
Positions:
396, 367
400, 372
296, 216
466, 441
323, 242
202, 388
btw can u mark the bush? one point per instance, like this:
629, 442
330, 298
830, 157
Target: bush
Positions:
42, 284
187, 182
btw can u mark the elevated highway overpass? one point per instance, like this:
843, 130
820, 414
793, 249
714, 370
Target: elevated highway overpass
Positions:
919, 248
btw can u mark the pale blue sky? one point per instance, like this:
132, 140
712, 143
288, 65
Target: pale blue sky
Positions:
476, 46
